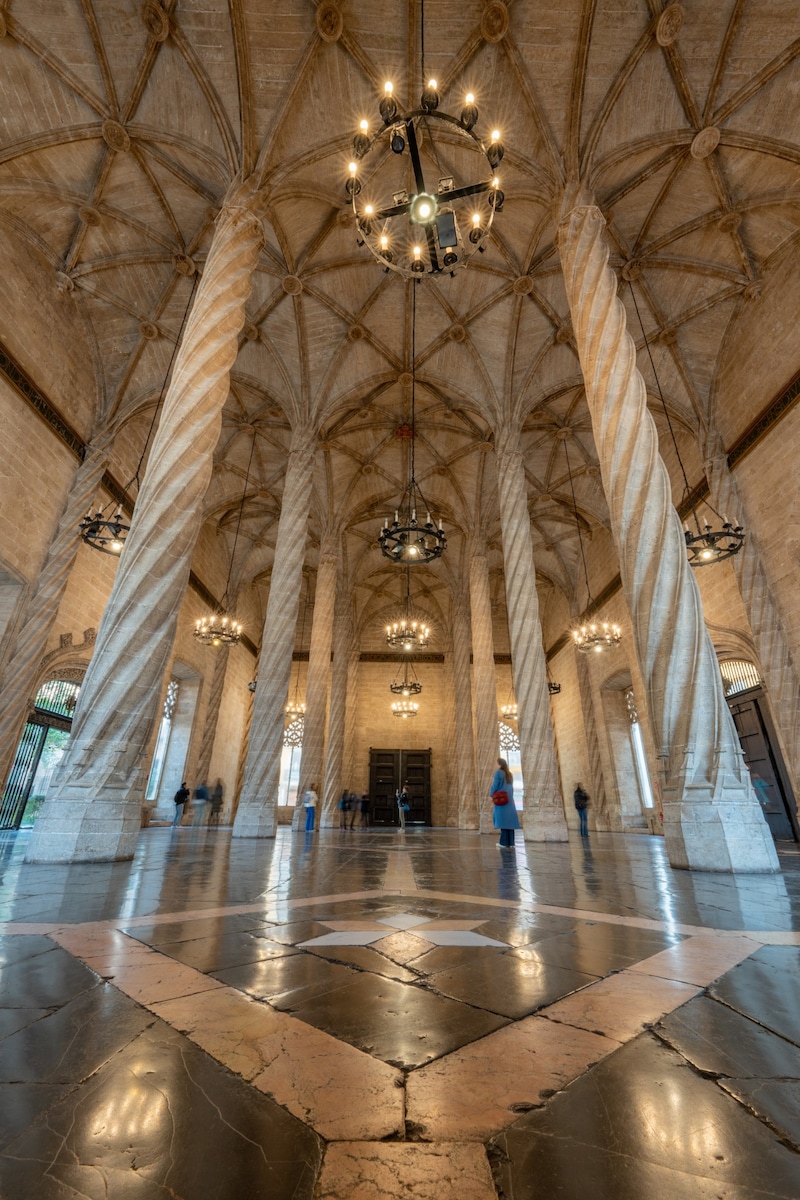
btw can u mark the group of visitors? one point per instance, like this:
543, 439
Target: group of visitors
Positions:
352, 809
202, 807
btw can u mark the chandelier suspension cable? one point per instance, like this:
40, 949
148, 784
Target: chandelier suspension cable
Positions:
707, 545
226, 594
578, 526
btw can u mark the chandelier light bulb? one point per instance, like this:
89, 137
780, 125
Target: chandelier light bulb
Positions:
469, 99
495, 135
364, 126
353, 168
432, 84
388, 88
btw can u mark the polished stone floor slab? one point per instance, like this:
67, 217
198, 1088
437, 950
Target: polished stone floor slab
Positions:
374, 1047
143, 1125
643, 1124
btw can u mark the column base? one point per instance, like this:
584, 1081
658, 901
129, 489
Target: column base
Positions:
545, 824
75, 828
718, 835
254, 822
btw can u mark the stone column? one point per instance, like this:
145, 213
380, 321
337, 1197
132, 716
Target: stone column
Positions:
318, 679
255, 816
468, 792
92, 811
351, 712
543, 814
599, 814
20, 675
769, 634
237, 790
448, 812
487, 734
712, 820
221, 656
334, 780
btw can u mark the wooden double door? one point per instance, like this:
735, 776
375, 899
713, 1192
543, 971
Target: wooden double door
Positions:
757, 736
388, 771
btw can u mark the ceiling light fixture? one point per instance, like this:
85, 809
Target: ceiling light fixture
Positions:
409, 632
409, 226
711, 543
101, 530
591, 636
220, 628
405, 709
407, 539
409, 685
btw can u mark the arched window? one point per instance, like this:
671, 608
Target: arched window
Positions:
290, 761
509, 749
41, 748
639, 756
162, 741
739, 675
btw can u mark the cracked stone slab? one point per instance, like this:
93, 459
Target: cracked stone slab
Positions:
405, 1171
477, 1091
699, 960
622, 1005
334, 1087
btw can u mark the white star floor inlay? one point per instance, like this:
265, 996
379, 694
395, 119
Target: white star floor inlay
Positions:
426, 929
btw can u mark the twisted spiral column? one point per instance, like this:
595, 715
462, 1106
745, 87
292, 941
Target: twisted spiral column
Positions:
334, 779
248, 721
487, 734
92, 811
20, 675
255, 816
350, 716
543, 813
769, 634
712, 820
467, 816
318, 679
212, 711
449, 811
599, 813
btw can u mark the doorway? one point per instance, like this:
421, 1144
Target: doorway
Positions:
757, 736
388, 771
40, 750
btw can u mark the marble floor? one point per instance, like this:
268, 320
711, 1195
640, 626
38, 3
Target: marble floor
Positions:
366, 1015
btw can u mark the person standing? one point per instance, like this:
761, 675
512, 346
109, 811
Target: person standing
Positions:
353, 802
181, 796
364, 805
403, 805
344, 808
504, 815
217, 797
310, 804
201, 799
581, 799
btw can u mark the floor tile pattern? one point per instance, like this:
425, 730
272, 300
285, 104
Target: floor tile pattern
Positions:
413, 1016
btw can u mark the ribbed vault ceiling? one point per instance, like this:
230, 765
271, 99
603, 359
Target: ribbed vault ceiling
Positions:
123, 126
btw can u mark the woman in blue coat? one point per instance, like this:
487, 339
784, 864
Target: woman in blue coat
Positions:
504, 816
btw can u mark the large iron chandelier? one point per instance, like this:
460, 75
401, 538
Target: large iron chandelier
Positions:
219, 628
409, 631
591, 636
101, 530
410, 223
408, 539
711, 543
409, 685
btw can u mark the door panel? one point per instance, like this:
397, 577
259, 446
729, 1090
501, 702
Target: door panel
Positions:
760, 756
388, 771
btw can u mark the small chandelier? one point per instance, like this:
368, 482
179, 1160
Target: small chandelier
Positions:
220, 628
106, 534
405, 708
409, 685
553, 688
295, 709
587, 637
407, 540
408, 632
509, 712
411, 225
596, 637
709, 545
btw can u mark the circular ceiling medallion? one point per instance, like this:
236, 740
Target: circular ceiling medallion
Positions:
184, 264
563, 434
593, 472
523, 285
115, 136
89, 215
156, 21
367, 469
251, 332
730, 222
457, 333
544, 496
355, 333
564, 334
753, 290
329, 22
705, 142
148, 330
669, 24
494, 22
668, 337
246, 427
405, 379
292, 285
631, 270
64, 283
